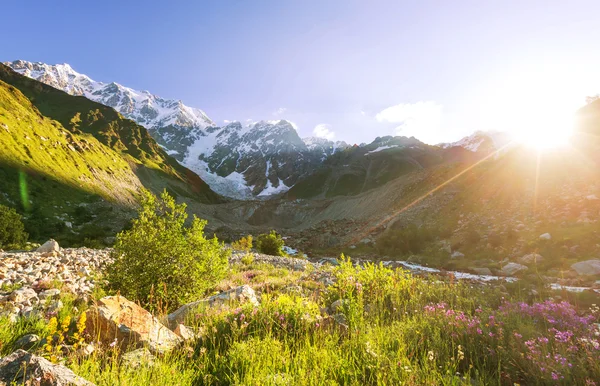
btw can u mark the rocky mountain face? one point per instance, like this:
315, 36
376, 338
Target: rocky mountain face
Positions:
239, 161
483, 142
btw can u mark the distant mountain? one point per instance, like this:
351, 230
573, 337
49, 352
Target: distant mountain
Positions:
484, 142
239, 161
357, 169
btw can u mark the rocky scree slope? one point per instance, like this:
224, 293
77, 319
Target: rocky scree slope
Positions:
241, 161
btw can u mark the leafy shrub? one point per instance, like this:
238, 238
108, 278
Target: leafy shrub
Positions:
12, 230
270, 244
161, 262
243, 244
248, 259
410, 239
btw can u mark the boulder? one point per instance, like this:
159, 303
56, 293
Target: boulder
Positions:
546, 236
338, 305
482, 271
457, 255
49, 246
512, 268
532, 258
23, 368
26, 342
587, 267
116, 319
591, 197
184, 333
22, 295
240, 294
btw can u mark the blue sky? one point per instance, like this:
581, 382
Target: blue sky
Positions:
353, 70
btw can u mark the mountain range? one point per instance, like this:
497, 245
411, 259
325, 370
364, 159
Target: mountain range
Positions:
242, 161
239, 161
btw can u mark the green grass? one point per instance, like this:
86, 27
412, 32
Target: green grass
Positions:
400, 330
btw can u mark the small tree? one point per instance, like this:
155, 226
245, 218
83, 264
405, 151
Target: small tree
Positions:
12, 230
159, 261
270, 244
243, 244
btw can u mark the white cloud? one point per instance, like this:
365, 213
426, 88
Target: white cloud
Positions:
363, 113
226, 121
323, 130
280, 111
421, 119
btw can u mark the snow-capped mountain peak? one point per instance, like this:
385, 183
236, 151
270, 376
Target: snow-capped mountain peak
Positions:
147, 109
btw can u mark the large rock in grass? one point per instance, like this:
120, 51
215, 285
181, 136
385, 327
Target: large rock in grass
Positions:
532, 258
239, 295
587, 268
49, 246
116, 319
23, 368
513, 268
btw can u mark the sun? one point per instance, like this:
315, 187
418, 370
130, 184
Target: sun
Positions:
542, 126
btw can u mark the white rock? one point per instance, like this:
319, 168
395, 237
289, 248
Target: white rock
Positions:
457, 255
592, 197
512, 268
49, 246
546, 236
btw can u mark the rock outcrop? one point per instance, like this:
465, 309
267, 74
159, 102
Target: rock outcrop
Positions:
23, 368
117, 320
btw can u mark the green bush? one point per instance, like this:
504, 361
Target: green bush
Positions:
160, 262
270, 244
243, 244
12, 230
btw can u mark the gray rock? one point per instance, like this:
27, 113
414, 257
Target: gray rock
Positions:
49, 246
512, 268
481, 271
22, 295
532, 258
51, 293
587, 267
23, 368
240, 294
26, 342
338, 305
457, 255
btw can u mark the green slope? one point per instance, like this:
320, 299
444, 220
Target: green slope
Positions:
68, 160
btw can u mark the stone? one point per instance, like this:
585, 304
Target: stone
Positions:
587, 267
482, 271
546, 236
138, 358
27, 342
22, 295
49, 246
591, 197
512, 268
457, 255
532, 258
116, 319
338, 305
184, 333
23, 368
341, 320
51, 293
239, 295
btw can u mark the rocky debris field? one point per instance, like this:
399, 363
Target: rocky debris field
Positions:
33, 281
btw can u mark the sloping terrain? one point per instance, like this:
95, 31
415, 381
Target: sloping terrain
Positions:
60, 153
240, 161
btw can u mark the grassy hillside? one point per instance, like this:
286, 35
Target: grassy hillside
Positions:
65, 160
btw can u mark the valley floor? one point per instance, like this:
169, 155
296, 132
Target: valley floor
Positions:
309, 324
